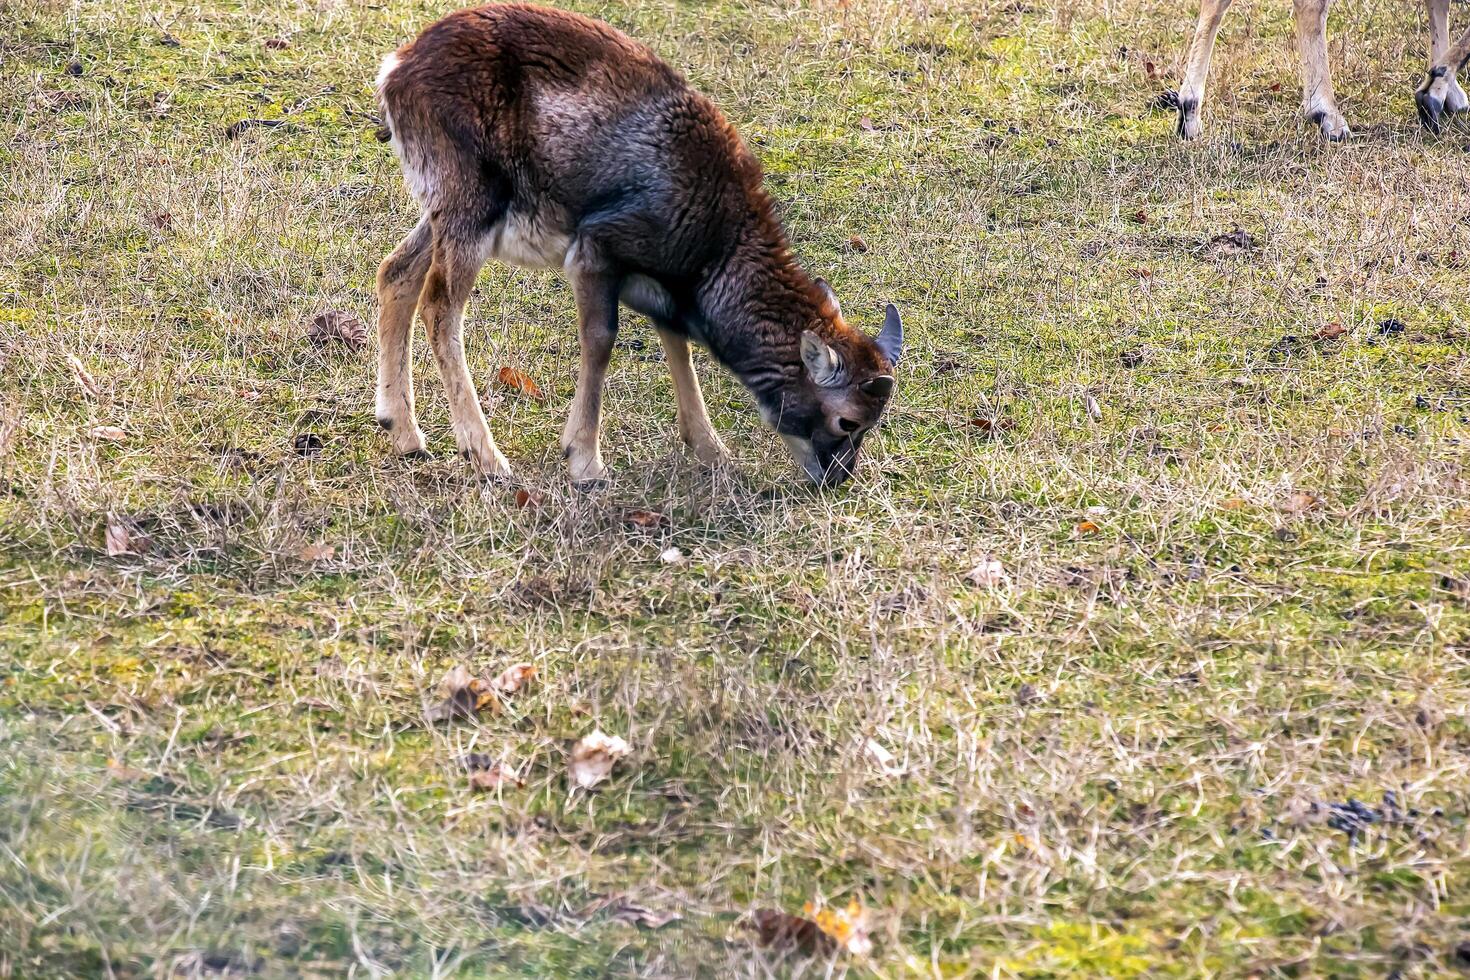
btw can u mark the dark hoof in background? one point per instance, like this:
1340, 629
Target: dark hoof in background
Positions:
417, 454
589, 486
1166, 100
1431, 111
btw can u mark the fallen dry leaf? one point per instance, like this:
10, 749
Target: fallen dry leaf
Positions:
520, 381
108, 433
1300, 502
857, 244
83, 376
1331, 331
276, 43
1140, 217
644, 518
1233, 503
991, 426
847, 927
1085, 528
593, 758
337, 326
788, 933
464, 695
513, 678
885, 760
530, 499
319, 551
494, 777
866, 125
118, 540
989, 574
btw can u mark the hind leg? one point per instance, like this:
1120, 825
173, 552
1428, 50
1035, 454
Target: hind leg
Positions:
400, 280
456, 261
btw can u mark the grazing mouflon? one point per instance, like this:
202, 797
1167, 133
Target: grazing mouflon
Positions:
1438, 94
543, 138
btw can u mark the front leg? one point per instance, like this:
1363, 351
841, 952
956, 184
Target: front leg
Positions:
597, 326
694, 424
1319, 102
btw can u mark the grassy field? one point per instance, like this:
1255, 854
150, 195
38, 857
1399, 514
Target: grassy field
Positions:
1235, 538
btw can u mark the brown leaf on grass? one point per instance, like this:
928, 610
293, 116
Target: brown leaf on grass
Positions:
1139, 217
1331, 331
118, 540
108, 433
1300, 502
847, 927
1094, 410
857, 244
866, 124
337, 327
594, 756
276, 43
319, 551
493, 777
464, 695
1233, 503
1084, 528
786, 933
83, 376
646, 519
520, 382
119, 770
530, 499
1151, 71
513, 678
991, 426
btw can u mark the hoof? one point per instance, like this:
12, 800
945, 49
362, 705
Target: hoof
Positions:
1189, 126
1455, 100
590, 486
417, 454
1431, 111
384, 423
1331, 123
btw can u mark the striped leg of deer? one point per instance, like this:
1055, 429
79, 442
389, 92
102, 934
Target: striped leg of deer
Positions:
446, 290
694, 424
1192, 90
400, 280
597, 327
1319, 104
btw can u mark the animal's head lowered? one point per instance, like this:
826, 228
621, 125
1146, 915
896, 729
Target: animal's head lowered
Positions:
846, 380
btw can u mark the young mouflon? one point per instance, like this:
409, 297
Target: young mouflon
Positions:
546, 139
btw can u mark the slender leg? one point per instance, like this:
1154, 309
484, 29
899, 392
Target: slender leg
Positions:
446, 289
1439, 43
694, 424
400, 280
1192, 91
597, 326
1318, 102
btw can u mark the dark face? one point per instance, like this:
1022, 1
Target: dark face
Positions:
824, 414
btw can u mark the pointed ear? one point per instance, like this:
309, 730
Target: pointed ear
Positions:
823, 363
879, 387
890, 338
826, 289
